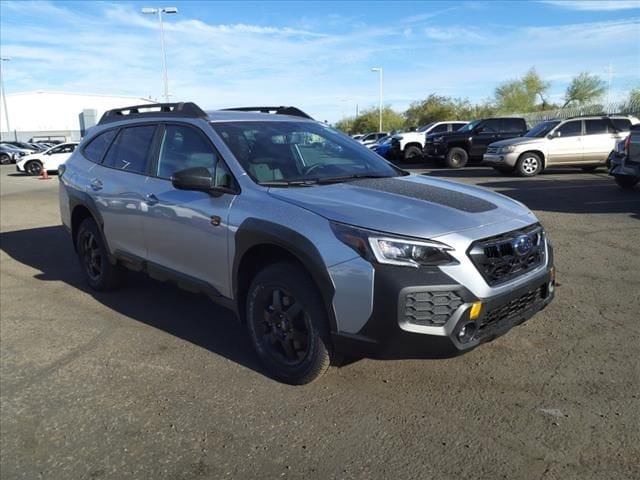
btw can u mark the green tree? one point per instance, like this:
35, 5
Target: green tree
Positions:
345, 125
432, 109
634, 96
520, 95
368, 121
583, 89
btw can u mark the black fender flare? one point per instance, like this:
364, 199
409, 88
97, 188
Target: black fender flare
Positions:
256, 232
79, 198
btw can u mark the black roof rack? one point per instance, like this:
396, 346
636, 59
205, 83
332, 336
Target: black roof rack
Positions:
293, 111
182, 109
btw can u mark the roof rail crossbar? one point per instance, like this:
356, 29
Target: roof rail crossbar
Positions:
282, 110
182, 109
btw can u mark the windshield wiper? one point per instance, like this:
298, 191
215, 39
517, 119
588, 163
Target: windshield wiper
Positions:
345, 178
289, 183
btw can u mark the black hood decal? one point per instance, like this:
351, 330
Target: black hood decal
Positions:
429, 193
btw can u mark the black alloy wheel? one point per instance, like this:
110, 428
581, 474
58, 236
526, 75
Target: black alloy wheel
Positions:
100, 273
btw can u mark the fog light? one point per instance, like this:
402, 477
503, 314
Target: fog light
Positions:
466, 333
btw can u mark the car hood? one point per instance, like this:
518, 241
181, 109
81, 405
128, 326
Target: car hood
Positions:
517, 141
414, 205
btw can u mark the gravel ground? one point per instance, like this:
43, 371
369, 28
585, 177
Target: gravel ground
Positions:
155, 383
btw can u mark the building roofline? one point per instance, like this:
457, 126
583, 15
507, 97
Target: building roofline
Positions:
54, 92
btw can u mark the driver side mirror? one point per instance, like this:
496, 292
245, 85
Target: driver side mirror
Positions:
556, 134
200, 179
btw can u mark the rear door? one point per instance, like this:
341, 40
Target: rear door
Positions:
599, 140
187, 231
117, 185
567, 147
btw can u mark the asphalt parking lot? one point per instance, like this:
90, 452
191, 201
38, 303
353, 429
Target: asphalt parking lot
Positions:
153, 382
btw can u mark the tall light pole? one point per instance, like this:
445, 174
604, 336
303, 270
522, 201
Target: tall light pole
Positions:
4, 95
379, 70
159, 12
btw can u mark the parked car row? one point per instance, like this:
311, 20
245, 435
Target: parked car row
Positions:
12, 151
48, 160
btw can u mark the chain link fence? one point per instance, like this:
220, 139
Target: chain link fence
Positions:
619, 108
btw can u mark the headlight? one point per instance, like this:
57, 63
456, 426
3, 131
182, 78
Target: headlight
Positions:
508, 149
374, 246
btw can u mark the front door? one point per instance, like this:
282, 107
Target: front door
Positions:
486, 133
567, 147
187, 231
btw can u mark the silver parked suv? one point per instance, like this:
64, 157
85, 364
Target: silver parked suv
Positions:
584, 142
321, 246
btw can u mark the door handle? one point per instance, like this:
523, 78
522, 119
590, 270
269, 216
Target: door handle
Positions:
151, 199
96, 185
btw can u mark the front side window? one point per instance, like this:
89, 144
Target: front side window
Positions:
596, 127
439, 129
130, 151
571, 129
184, 147
493, 125
281, 152
64, 149
94, 151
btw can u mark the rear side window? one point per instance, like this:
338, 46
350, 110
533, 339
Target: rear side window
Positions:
623, 124
595, 127
130, 151
96, 147
571, 129
511, 125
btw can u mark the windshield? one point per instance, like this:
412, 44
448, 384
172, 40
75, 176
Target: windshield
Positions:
424, 128
470, 126
542, 129
286, 153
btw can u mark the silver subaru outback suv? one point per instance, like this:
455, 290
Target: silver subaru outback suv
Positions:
324, 249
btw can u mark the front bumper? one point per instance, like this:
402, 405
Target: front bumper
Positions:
500, 159
389, 334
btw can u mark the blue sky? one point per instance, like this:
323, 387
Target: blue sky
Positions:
316, 55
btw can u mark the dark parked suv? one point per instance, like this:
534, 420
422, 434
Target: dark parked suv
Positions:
320, 246
471, 141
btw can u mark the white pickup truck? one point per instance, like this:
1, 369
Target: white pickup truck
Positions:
408, 146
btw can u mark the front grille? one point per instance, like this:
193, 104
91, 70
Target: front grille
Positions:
511, 309
430, 308
492, 149
499, 260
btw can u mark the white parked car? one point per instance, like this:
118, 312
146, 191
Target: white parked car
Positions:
371, 138
408, 146
50, 159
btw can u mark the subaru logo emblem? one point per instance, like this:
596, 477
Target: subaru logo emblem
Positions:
522, 244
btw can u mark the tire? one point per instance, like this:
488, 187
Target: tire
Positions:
411, 154
456, 158
295, 347
504, 170
100, 274
33, 168
590, 168
5, 159
626, 181
529, 164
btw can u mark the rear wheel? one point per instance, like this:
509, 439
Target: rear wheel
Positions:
33, 167
288, 324
412, 154
94, 260
456, 158
4, 159
626, 181
529, 164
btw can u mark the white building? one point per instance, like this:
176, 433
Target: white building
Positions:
56, 115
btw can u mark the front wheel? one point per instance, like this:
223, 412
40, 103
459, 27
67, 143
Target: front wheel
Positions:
288, 324
412, 154
4, 159
529, 164
626, 181
33, 168
456, 158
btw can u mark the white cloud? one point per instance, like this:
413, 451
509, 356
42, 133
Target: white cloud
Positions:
595, 5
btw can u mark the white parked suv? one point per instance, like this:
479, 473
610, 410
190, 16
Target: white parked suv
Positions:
50, 159
408, 146
583, 142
